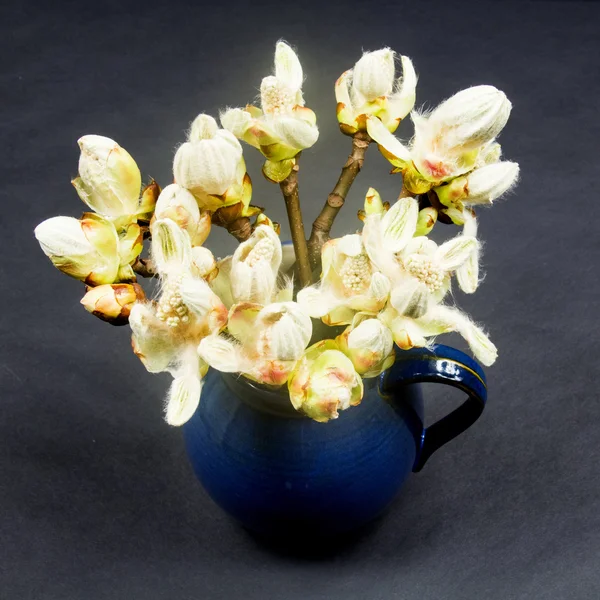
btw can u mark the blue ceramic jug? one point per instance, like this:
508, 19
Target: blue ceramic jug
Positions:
277, 471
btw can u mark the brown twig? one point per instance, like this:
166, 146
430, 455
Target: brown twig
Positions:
323, 223
289, 188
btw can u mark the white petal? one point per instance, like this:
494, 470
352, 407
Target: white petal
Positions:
398, 225
221, 284
374, 74
255, 265
221, 354
342, 94
453, 253
204, 127
403, 99
208, 166
153, 344
451, 319
171, 247
295, 132
203, 260
350, 245
316, 302
283, 331
183, 399
410, 297
236, 120
197, 295
468, 273
379, 132
373, 335
490, 182
380, 286
62, 236
287, 66
475, 115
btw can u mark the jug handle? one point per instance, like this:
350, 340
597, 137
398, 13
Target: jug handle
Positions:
439, 364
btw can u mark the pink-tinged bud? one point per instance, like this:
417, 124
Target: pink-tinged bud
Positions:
324, 382
112, 303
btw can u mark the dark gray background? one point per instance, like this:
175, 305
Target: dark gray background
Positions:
97, 498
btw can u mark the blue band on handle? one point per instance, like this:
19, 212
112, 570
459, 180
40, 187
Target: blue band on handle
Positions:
440, 364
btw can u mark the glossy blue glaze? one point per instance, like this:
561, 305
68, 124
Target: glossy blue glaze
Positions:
279, 472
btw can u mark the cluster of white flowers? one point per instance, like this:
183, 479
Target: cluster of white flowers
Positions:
387, 284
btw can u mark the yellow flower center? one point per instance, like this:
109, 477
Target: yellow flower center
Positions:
276, 99
356, 273
171, 308
425, 271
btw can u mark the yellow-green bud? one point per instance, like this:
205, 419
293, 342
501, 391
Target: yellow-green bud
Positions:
427, 219
109, 179
324, 382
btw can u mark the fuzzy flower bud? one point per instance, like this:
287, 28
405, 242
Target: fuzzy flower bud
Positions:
112, 303
208, 162
374, 74
255, 265
109, 180
324, 382
86, 249
472, 117
481, 186
369, 346
179, 205
148, 201
427, 219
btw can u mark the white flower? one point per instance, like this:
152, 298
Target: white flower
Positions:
109, 180
479, 187
370, 88
349, 283
86, 249
178, 204
448, 142
255, 265
208, 163
410, 332
419, 269
264, 342
166, 333
283, 126
325, 382
368, 343
467, 274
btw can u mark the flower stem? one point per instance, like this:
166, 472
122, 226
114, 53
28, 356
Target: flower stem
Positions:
289, 188
323, 223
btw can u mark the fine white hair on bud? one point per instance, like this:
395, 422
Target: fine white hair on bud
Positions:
472, 117
171, 249
372, 335
208, 165
236, 120
288, 69
373, 74
85, 249
283, 330
467, 274
486, 184
204, 127
255, 265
